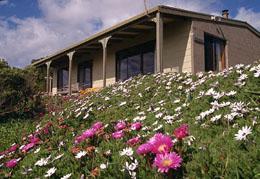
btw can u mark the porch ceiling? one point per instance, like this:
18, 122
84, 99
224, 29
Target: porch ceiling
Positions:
127, 33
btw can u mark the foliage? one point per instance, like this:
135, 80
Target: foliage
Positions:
19, 88
215, 107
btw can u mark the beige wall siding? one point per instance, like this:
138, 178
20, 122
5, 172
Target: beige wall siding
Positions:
177, 47
243, 46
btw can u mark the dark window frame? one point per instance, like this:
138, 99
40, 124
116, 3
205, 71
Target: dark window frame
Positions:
87, 64
139, 49
210, 40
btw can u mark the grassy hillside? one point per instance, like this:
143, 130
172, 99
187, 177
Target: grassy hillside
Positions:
89, 135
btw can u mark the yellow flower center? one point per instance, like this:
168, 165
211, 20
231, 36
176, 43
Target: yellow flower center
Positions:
166, 162
162, 148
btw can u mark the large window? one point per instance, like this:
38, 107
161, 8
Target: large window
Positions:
135, 60
63, 76
85, 75
214, 53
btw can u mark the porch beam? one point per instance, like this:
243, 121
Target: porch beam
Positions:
104, 42
48, 64
159, 42
70, 55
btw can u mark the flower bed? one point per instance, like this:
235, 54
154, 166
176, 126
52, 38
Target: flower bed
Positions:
153, 126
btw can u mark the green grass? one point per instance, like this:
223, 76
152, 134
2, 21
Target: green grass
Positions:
213, 153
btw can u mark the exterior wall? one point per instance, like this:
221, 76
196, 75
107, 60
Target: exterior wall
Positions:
176, 54
243, 46
177, 47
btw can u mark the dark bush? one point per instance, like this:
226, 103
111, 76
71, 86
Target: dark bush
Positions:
19, 90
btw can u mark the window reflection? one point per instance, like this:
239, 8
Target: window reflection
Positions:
85, 75
63, 76
134, 61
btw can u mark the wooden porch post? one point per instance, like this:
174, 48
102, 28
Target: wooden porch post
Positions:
104, 42
48, 64
159, 43
70, 55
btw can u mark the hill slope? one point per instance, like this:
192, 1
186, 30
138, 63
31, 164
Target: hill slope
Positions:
216, 117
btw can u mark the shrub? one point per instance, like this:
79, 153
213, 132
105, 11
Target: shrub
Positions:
19, 90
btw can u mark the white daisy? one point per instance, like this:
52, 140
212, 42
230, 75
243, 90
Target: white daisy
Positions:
242, 133
43, 161
66, 176
215, 118
103, 166
50, 172
80, 154
37, 150
58, 157
127, 151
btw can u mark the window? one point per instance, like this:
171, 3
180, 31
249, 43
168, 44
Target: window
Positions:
85, 75
214, 53
63, 76
134, 61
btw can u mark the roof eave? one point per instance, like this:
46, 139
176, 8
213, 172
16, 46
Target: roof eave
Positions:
99, 35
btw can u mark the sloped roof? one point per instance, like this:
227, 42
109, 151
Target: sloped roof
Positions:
145, 16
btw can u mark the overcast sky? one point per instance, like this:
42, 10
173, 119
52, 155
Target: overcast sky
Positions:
30, 29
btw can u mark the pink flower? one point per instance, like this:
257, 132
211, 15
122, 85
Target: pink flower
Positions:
34, 139
13, 148
88, 133
46, 130
97, 126
12, 163
27, 147
182, 131
144, 148
133, 141
120, 125
166, 161
79, 139
118, 134
161, 143
136, 126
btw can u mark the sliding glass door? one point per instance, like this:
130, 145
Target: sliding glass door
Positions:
62, 79
85, 75
214, 53
135, 60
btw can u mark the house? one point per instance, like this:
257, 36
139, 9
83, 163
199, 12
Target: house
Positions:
163, 39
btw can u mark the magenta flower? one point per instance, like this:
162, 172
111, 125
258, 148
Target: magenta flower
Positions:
167, 161
133, 141
13, 148
79, 139
88, 133
12, 163
182, 131
136, 126
161, 143
27, 147
34, 139
144, 148
120, 125
97, 126
118, 134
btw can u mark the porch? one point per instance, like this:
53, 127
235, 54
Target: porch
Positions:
150, 44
